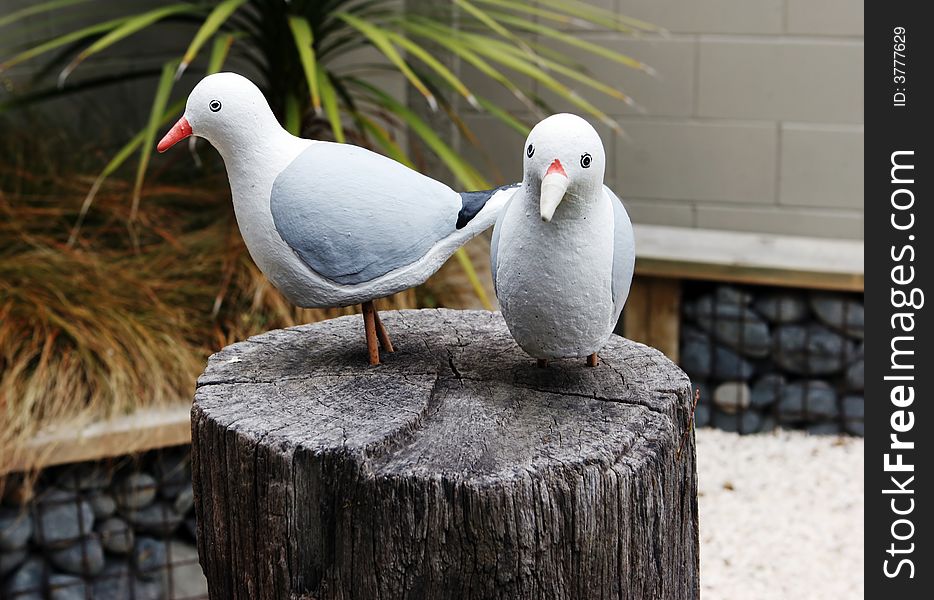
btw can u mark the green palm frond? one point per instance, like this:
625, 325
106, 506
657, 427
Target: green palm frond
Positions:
163, 89
211, 24
122, 31
36, 9
305, 46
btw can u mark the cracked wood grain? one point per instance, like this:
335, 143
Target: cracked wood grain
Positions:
456, 469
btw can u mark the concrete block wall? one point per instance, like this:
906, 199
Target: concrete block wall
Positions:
754, 122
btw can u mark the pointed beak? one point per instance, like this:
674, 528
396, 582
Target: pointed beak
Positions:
179, 131
554, 185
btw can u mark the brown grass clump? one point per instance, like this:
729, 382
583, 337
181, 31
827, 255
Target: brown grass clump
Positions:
126, 317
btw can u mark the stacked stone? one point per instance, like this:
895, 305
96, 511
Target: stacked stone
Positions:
764, 358
92, 530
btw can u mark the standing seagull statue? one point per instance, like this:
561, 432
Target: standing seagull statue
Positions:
329, 224
563, 249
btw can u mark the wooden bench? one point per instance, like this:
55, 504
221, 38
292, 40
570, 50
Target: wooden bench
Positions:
145, 429
667, 255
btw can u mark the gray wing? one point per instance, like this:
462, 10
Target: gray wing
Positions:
494, 244
353, 215
624, 254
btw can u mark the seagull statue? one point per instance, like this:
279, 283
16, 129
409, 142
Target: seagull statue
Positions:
563, 251
329, 224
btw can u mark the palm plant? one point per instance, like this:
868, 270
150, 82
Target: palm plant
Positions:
293, 47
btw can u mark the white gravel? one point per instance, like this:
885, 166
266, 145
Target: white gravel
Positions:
781, 516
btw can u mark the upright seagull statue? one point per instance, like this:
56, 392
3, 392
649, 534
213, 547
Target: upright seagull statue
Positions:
563, 251
329, 224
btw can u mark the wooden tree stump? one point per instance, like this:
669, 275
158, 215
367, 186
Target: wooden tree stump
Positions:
456, 469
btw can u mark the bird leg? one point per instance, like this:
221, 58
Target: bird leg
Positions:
592, 360
382, 334
542, 363
369, 324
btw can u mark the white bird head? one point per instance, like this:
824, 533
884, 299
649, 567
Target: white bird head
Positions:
227, 110
564, 157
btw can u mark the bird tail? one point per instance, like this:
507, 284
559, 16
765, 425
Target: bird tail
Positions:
473, 202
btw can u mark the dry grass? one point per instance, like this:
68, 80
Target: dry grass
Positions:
126, 317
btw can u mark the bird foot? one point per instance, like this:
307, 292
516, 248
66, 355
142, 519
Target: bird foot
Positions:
592, 360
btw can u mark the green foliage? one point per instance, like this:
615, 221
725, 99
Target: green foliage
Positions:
302, 53
294, 46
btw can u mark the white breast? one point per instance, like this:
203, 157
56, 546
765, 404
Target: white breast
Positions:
251, 177
554, 279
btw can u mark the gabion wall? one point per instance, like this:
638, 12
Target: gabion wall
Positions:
107, 531
768, 357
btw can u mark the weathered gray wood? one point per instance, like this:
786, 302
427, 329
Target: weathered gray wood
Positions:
456, 469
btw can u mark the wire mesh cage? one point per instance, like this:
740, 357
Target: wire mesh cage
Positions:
765, 357
118, 529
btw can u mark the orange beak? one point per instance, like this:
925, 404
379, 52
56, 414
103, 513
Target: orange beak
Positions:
179, 131
556, 167
554, 185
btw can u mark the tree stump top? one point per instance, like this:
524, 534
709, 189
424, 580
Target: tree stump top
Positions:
455, 469
458, 399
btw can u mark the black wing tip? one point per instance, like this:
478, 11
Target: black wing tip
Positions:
473, 202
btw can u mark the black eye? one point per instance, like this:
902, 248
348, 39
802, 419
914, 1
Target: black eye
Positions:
530, 151
586, 160
215, 105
